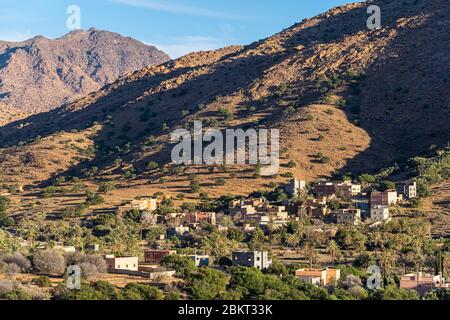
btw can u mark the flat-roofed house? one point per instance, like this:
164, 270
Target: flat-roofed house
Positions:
156, 256
319, 277
255, 259
407, 188
200, 260
201, 217
177, 231
379, 214
295, 186
348, 189
114, 263
313, 208
325, 190
348, 216
422, 282
149, 204
241, 211
385, 198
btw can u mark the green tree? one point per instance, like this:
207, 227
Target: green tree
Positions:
152, 165
206, 284
249, 280
194, 186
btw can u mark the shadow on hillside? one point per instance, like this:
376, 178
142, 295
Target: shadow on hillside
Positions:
234, 72
405, 95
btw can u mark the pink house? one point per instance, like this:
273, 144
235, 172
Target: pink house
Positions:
422, 283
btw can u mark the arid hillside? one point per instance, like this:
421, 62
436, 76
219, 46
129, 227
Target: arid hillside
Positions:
346, 99
40, 74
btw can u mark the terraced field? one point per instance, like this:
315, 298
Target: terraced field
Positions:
437, 208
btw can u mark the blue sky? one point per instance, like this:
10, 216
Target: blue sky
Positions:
175, 26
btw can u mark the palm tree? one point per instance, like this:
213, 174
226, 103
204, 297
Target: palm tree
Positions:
332, 249
310, 254
293, 241
387, 261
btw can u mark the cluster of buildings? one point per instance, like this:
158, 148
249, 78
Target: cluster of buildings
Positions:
357, 206
153, 258
419, 281
318, 201
258, 212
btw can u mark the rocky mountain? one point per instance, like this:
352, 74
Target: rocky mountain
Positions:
40, 74
345, 98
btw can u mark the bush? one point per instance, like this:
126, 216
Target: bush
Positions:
152, 165
184, 266
43, 282
4, 203
95, 199
12, 269
106, 187
74, 212
207, 284
227, 114
135, 291
292, 164
49, 262
6, 286
96, 261
194, 186
18, 259
367, 178
88, 270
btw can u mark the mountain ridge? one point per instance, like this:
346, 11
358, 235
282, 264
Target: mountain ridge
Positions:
323, 82
40, 74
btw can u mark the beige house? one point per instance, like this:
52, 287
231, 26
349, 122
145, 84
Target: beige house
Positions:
142, 205
319, 277
114, 263
348, 188
348, 216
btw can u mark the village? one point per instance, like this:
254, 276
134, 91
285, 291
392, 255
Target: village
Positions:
356, 206
325, 204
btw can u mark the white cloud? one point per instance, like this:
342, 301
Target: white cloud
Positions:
178, 8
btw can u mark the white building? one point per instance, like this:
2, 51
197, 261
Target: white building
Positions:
379, 213
295, 186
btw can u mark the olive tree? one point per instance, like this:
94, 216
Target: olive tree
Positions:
49, 262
